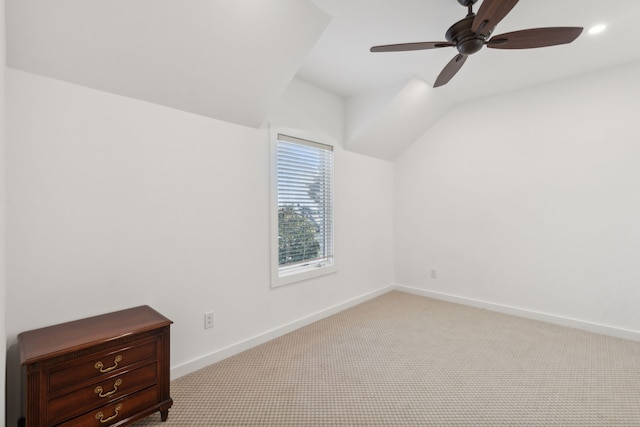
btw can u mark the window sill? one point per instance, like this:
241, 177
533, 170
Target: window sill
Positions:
299, 274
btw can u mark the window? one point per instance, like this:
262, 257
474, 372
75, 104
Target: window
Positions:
302, 242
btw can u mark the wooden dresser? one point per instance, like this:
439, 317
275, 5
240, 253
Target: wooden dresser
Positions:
108, 370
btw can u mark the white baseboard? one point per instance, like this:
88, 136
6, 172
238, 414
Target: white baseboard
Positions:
529, 314
216, 356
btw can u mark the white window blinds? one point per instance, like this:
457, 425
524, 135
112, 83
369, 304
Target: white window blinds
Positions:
305, 204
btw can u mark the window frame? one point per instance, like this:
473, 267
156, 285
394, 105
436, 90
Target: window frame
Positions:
296, 273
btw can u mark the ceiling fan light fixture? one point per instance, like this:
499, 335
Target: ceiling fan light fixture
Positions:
597, 29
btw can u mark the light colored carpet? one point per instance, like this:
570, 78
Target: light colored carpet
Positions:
405, 360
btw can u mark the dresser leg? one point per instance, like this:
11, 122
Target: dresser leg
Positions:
164, 415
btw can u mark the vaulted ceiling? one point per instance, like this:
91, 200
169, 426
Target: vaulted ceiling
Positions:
232, 60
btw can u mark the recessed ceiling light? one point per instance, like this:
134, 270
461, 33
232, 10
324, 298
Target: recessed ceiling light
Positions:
597, 29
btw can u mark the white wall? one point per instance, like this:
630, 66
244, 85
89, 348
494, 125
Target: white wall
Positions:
3, 334
114, 203
530, 200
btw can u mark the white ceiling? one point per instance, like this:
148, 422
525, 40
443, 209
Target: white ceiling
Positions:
233, 59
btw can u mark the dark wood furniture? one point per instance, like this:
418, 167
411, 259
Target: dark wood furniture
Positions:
108, 370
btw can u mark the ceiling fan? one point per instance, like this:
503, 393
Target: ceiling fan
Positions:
470, 34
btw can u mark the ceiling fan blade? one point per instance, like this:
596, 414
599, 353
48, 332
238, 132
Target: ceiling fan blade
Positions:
450, 70
535, 37
490, 13
401, 47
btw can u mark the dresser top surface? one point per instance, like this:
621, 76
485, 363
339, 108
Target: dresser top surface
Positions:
40, 344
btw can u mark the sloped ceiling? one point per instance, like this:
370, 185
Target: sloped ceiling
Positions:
232, 59
229, 60
386, 125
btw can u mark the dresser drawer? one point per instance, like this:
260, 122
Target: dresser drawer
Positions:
117, 411
100, 365
98, 394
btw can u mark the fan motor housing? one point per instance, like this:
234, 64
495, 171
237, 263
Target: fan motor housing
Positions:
471, 46
467, 42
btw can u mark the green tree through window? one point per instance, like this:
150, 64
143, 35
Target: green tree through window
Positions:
296, 236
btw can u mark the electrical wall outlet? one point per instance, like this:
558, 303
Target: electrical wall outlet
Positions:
434, 273
208, 320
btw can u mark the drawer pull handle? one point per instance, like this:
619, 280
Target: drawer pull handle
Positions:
100, 365
99, 390
100, 416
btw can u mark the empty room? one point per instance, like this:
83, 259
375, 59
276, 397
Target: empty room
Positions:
319, 212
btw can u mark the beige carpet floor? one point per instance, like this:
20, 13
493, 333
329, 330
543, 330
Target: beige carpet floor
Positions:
405, 360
